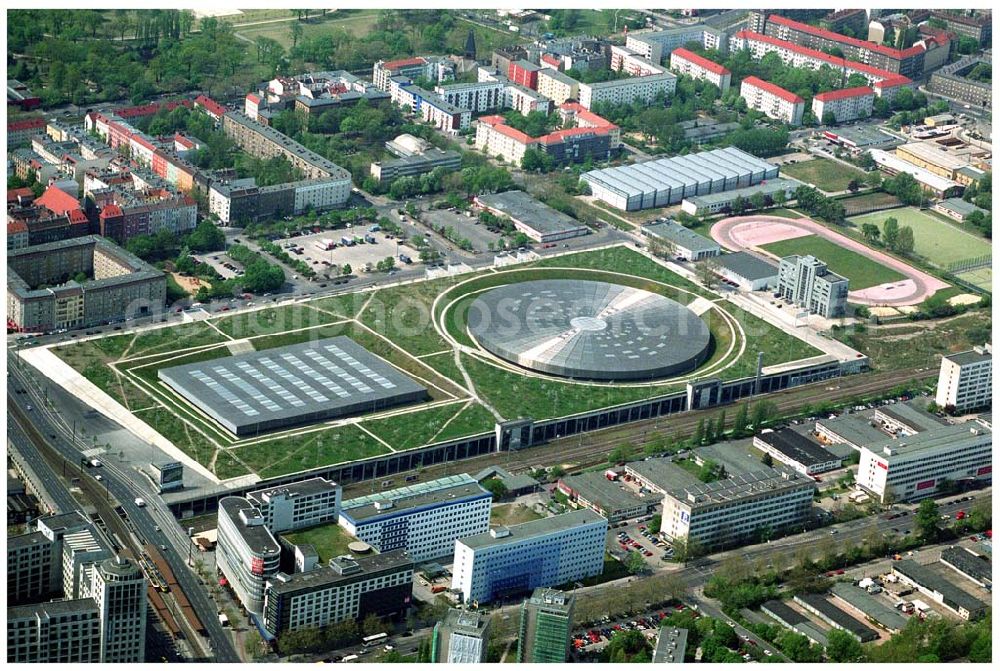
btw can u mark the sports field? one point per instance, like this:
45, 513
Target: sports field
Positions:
861, 271
416, 327
982, 278
938, 241
826, 175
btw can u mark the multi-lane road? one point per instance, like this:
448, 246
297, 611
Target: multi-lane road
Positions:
153, 522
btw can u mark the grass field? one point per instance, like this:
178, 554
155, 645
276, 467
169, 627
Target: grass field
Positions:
982, 278
358, 22
867, 200
823, 173
506, 514
860, 270
329, 540
938, 241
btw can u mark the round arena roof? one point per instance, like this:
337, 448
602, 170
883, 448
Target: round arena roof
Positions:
359, 547
589, 330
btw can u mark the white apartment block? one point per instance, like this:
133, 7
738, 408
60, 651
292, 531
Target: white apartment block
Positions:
321, 194
774, 101
298, 505
435, 69
423, 519
684, 62
557, 87
914, 467
119, 590
966, 379
725, 511
482, 96
624, 59
627, 91
542, 553
524, 100
653, 45
246, 552
845, 104
496, 138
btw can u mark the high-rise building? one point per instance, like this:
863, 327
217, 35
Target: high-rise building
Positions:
246, 554
966, 379
460, 638
546, 623
298, 505
33, 568
806, 281
57, 632
118, 588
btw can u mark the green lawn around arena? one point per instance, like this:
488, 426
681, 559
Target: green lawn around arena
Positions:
938, 241
825, 174
329, 540
860, 270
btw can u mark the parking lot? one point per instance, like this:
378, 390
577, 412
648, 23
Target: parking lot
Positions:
358, 255
222, 264
464, 226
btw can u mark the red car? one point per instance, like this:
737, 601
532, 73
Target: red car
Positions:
840, 571
648, 553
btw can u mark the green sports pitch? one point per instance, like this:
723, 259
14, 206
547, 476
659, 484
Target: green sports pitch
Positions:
419, 328
940, 242
860, 270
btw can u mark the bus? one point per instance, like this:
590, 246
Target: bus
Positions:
374, 640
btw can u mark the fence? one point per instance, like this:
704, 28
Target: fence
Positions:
974, 263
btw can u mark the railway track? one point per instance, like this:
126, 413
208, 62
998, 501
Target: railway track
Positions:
590, 449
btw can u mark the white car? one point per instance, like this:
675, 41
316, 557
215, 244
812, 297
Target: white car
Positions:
98, 477
768, 652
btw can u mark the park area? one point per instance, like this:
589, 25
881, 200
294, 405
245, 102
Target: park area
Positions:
938, 241
823, 173
329, 540
860, 270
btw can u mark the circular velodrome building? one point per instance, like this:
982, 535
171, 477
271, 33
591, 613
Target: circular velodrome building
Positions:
589, 330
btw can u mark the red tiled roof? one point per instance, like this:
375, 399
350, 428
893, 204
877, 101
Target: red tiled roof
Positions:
77, 217
143, 142
184, 141
57, 200
898, 54
253, 98
773, 89
14, 194
588, 116
551, 60
700, 61
562, 135
24, 124
15, 226
210, 105
855, 92
403, 62
111, 210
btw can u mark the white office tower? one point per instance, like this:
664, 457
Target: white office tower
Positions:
119, 589
966, 379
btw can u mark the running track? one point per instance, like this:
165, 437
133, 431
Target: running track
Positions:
741, 233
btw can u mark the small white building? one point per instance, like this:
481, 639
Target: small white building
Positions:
845, 104
966, 379
772, 100
746, 271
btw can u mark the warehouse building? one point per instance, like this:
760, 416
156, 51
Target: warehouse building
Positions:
941, 187
721, 513
717, 203
424, 518
857, 139
795, 450
746, 271
535, 219
906, 419
669, 181
348, 588
607, 497
671, 646
852, 430
958, 209
836, 618
933, 584
874, 608
678, 241
914, 467
932, 157
975, 567
658, 474
966, 379
541, 553
792, 619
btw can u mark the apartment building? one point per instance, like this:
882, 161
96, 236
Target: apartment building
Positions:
421, 67
416, 164
965, 381
34, 566
772, 100
978, 27
429, 106
883, 82
56, 632
541, 553
122, 285
557, 86
807, 282
119, 590
347, 588
246, 553
20, 131
298, 505
545, 626
424, 519
525, 100
593, 136
524, 73
628, 91
737, 508
477, 97
462, 637
914, 467
626, 60
685, 62
844, 104
654, 45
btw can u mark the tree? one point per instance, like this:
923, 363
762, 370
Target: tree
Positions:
372, 624
620, 454
842, 647
653, 526
874, 178
742, 420
762, 412
347, 270
699, 433
870, 232
904, 242
296, 33
495, 487
854, 186
706, 273
890, 232
829, 118
720, 425
635, 563
767, 460
927, 520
